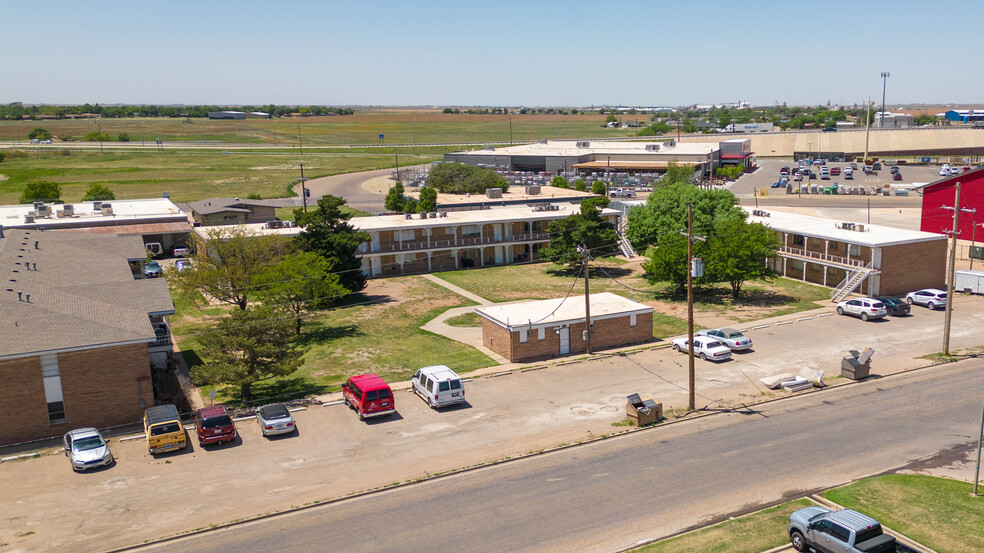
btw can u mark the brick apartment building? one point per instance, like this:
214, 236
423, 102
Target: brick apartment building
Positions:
527, 331
849, 257
79, 326
232, 211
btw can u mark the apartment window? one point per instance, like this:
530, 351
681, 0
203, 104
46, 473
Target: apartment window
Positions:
471, 230
798, 240
52, 389
522, 336
815, 242
404, 235
856, 250
632, 320
541, 334
796, 264
834, 246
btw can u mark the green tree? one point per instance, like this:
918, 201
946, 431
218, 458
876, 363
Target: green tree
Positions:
559, 182
394, 198
737, 252
580, 185
98, 192
925, 119
328, 233
585, 229
225, 268
247, 347
40, 191
598, 187
300, 282
667, 262
39, 133
3, 156
459, 178
610, 119
123, 137
427, 201
676, 174
410, 205
96, 136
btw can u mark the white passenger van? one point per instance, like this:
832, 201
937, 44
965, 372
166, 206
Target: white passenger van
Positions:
438, 386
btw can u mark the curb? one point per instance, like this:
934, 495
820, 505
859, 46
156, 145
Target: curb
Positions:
906, 540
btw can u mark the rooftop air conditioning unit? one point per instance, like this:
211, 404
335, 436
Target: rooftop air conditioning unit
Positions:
669, 143
859, 228
97, 205
408, 216
533, 190
107, 209
432, 215
29, 218
44, 211
68, 210
444, 214
493, 192
847, 226
652, 147
583, 144
541, 141
489, 147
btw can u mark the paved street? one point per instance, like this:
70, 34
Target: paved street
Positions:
612, 494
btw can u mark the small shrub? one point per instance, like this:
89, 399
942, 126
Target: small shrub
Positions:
254, 196
123, 137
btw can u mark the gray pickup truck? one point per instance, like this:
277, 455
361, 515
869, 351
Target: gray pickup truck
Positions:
844, 531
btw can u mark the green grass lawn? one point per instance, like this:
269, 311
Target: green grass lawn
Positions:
748, 534
937, 512
188, 175
383, 336
465, 320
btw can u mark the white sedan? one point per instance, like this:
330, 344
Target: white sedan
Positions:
705, 347
275, 419
730, 337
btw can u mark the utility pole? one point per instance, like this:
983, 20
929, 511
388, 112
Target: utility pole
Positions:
691, 270
977, 469
300, 145
867, 131
885, 77
585, 259
973, 242
950, 272
304, 193
397, 166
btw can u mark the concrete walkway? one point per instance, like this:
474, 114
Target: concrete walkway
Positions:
457, 290
466, 335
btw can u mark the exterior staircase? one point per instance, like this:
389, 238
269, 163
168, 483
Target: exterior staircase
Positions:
850, 283
625, 246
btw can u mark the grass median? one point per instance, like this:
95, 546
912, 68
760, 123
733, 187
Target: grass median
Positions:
937, 512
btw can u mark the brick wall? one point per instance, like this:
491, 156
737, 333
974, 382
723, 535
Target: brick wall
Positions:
100, 388
909, 267
609, 333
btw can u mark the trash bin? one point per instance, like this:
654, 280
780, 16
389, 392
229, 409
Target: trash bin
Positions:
857, 366
641, 412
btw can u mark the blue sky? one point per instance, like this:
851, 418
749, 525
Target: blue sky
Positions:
574, 52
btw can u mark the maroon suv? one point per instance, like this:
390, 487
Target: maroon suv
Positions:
214, 425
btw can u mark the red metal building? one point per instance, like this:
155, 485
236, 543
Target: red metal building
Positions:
941, 193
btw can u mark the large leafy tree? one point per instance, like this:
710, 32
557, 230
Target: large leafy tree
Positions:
737, 252
247, 347
225, 267
40, 191
665, 265
39, 133
328, 233
300, 282
98, 192
459, 178
586, 229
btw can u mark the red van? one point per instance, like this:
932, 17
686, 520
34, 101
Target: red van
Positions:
369, 395
214, 425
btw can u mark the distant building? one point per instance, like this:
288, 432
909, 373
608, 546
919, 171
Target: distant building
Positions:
227, 115
889, 120
80, 328
232, 211
737, 151
964, 115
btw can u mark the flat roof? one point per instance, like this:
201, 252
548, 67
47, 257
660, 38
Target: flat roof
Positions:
623, 165
515, 193
599, 147
830, 229
519, 315
124, 212
400, 222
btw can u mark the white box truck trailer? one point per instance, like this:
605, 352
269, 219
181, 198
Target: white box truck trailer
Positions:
972, 281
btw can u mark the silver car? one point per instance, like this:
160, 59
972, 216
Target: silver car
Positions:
86, 449
729, 337
866, 308
275, 419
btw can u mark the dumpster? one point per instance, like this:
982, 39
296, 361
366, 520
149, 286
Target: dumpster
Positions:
643, 411
857, 365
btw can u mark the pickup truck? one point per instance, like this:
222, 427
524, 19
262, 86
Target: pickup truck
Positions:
622, 193
844, 531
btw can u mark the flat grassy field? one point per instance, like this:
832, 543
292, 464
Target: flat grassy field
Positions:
937, 512
748, 534
382, 336
187, 174
398, 127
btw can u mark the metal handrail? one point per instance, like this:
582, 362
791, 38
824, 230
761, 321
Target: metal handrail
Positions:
821, 256
431, 244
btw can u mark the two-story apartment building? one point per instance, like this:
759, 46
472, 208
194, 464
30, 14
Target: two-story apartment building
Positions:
79, 331
447, 240
232, 211
855, 257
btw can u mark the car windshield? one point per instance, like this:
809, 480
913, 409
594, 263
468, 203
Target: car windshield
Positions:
87, 443
271, 412
215, 422
153, 265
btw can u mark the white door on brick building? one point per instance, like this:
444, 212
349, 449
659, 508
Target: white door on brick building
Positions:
565, 340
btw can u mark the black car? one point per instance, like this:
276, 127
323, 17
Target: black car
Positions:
895, 306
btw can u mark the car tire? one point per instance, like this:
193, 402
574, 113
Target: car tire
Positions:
931, 306
676, 348
840, 310
908, 300
864, 316
703, 357
798, 541
362, 417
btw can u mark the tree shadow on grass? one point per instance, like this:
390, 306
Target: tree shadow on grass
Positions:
282, 390
364, 299
316, 332
191, 358
596, 272
722, 296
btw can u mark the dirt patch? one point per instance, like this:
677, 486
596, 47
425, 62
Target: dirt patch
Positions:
3, 178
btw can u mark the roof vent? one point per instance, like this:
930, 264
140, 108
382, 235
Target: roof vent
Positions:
97, 205
493, 192
652, 147
584, 144
489, 147
669, 143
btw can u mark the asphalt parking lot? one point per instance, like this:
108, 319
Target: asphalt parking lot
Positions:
334, 454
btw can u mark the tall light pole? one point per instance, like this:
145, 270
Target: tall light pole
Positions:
867, 130
884, 77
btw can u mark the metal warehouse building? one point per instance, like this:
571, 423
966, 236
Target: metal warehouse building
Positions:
563, 156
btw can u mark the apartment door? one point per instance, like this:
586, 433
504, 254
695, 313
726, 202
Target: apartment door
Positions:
497, 232
565, 340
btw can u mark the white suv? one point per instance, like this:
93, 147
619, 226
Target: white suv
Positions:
866, 308
930, 297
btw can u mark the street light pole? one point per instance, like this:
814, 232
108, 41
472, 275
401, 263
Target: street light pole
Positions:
885, 77
867, 131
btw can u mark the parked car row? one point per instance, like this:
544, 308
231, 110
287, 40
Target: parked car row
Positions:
880, 307
367, 394
715, 344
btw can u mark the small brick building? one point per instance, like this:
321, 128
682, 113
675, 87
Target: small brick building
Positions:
543, 329
79, 329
